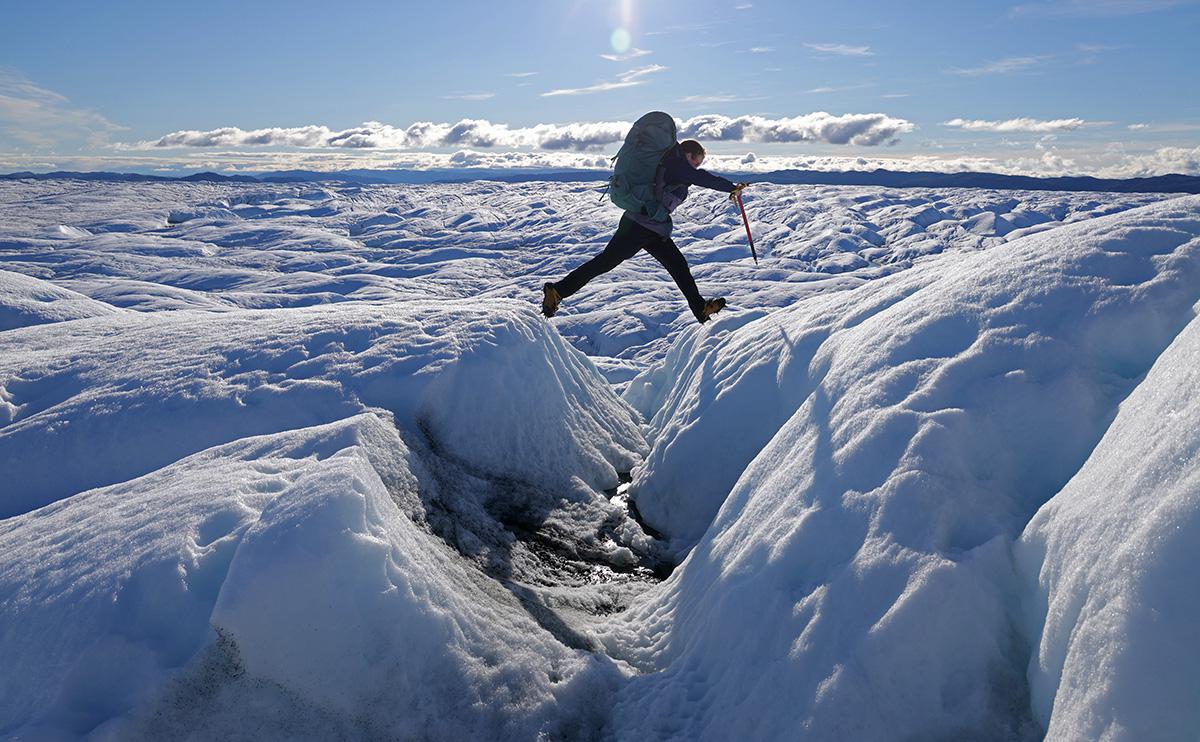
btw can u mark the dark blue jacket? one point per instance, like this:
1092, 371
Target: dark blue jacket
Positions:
675, 174
671, 182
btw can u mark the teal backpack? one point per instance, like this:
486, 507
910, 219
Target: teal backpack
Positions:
632, 183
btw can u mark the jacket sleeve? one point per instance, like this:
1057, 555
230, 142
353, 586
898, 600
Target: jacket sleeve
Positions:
678, 171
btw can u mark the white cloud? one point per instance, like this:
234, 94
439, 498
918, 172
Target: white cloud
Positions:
1030, 125
688, 28
842, 50
39, 117
867, 129
1162, 161
838, 89
999, 67
423, 134
1177, 127
744, 6
633, 53
625, 80
715, 98
470, 96
761, 49
521, 74
1041, 162
860, 129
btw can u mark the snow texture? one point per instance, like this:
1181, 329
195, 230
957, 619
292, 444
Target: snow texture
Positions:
303, 461
1112, 557
912, 427
166, 246
328, 601
28, 301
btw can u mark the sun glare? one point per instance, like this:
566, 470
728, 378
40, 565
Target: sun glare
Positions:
620, 41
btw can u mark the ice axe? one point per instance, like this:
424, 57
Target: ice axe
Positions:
737, 198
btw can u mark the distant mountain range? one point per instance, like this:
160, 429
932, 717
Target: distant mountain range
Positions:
887, 178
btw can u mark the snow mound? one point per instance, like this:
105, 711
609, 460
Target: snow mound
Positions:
1112, 558
91, 403
859, 572
1111, 292
313, 607
26, 301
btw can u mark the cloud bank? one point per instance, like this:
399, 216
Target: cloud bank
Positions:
420, 135
1036, 126
868, 129
855, 128
1041, 161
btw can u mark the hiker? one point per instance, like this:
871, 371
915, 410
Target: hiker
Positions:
639, 230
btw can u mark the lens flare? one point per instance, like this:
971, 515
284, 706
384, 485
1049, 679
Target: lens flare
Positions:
620, 41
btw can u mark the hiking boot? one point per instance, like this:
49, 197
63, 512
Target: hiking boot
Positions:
550, 300
711, 307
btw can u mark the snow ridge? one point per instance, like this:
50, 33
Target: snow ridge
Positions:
866, 548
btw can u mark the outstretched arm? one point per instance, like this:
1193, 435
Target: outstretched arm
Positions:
679, 171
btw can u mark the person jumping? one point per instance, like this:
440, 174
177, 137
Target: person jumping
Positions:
649, 227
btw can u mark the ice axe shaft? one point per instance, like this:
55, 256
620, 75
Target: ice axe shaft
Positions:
746, 222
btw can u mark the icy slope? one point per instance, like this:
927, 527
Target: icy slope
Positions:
28, 301
95, 402
1092, 303
1113, 560
304, 512
314, 607
859, 574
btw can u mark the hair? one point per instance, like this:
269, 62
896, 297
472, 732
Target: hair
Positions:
692, 147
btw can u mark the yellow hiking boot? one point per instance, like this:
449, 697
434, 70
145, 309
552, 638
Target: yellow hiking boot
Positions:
550, 300
711, 307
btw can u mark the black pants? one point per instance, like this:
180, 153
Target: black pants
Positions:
630, 238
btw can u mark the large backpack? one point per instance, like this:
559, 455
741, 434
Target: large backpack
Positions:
632, 183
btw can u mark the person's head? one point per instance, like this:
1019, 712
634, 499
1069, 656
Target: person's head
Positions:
692, 152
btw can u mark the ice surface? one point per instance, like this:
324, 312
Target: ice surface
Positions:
1113, 560
858, 574
1107, 295
327, 599
303, 461
94, 402
181, 549
25, 301
162, 246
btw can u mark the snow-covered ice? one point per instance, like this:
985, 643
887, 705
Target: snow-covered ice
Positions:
92, 403
303, 460
214, 246
1112, 556
911, 429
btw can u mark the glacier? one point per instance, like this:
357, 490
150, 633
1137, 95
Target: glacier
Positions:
303, 460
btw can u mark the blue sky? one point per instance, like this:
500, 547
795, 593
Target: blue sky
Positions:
1047, 86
